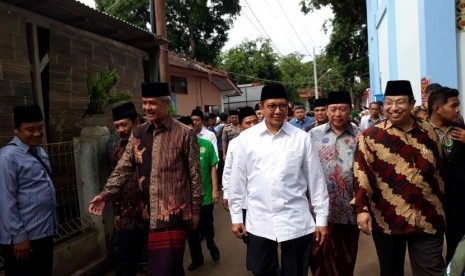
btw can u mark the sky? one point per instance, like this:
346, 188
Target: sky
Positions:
280, 20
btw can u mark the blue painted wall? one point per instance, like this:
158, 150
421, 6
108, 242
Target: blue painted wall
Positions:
438, 37
438, 42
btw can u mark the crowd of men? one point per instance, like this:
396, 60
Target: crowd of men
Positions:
308, 185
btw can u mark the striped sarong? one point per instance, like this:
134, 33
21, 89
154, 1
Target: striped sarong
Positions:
166, 252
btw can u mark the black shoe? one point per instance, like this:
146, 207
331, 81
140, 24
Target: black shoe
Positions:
194, 266
215, 253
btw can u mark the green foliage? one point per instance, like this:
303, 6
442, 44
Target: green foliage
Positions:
99, 86
254, 58
348, 41
196, 28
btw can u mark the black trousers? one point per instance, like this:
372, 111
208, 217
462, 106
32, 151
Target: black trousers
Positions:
454, 233
40, 261
131, 245
262, 256
425, 252
205, 228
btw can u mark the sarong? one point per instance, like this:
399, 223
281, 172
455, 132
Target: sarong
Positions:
166, 252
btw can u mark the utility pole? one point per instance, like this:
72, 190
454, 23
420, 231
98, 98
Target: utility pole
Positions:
315, 77
160, 23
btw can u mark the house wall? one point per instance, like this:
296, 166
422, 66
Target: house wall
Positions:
200, 92
73, 53
412, 40
15, 79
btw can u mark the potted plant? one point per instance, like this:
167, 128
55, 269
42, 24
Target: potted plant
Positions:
99, 86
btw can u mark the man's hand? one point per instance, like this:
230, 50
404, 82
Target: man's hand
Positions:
458, 134
364, 222
21, 250
238, 230
321, 234
117, 221
226, 204
195, 221
96, 205
216, 197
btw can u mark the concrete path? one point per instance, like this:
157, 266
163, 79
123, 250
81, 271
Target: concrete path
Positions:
232, 262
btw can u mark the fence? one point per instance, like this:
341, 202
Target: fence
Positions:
70, 222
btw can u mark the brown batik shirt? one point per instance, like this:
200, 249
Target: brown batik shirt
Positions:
398, 179
128, 204
166, 157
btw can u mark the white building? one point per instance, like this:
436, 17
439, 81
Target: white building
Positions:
415, 40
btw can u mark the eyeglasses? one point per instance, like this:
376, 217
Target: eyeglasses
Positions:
399, 102
282, 107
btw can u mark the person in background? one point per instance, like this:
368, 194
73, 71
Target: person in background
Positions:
211, 122
335, 142
208, 161
276, 171
430, 88
444, 111
373, 118
420, 113
165, 155
201, 131
131, 227
230, 131
258, 112
300, 120
28, 218
399, 188
319, 112
247, 119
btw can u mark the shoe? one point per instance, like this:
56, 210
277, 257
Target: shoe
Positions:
215, 253
194, 266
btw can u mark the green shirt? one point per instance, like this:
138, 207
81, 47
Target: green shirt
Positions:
208, 159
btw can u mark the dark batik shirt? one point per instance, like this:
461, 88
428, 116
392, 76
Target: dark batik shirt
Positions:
167, 160
127, 203
397, 177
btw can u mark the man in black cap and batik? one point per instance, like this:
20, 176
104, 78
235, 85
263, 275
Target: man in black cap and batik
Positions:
276, 172
165, 155
130, 215
335, 142
28, 218
399, 189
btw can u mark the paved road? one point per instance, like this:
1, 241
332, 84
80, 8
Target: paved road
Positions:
232, 262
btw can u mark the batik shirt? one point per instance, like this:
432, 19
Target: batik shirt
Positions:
166, 157
336, 153
398, 178
230, 132
128, 204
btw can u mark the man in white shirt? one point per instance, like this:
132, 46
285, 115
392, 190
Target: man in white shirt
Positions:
277, 171
247, 119
197, 117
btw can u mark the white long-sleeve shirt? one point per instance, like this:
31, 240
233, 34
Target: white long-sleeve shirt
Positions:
227, 168
283, 180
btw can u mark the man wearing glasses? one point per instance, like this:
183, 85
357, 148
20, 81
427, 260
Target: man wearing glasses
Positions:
399, 188
282, 181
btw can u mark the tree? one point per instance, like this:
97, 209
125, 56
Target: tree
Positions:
251, 61
296, 74
196, 28
348, 41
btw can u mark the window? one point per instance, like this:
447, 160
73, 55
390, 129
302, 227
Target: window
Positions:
178, 85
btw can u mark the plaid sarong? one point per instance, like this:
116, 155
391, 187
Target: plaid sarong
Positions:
166, 252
